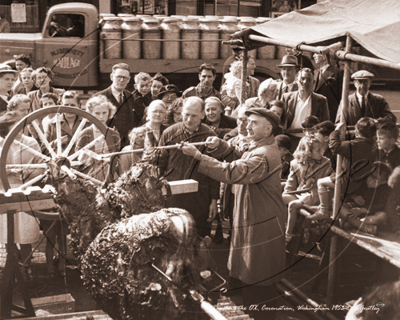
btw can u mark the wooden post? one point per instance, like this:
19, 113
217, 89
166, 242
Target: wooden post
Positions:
244, 77
337, 195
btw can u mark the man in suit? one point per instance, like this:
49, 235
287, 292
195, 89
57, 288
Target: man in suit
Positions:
328, 82
363, 103
123, 120
7, 78
304, 103
289, 68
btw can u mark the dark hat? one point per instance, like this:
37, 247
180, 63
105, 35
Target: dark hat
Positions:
362, 74
269, 115
283, 141
5, 68
169, 88
288, 61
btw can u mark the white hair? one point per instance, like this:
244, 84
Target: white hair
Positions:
267, 84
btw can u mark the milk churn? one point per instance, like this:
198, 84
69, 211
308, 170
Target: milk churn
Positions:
266, 52
171, 31
191, 32
151, 30
227, 27
111, 34
131, 31
209, 31
247, 22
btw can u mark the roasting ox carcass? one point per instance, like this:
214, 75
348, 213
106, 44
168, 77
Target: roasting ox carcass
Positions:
121, 232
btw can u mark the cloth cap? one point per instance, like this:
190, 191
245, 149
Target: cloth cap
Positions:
269, 115
288, 61
283, 141
169, 88
5, 68
362, 74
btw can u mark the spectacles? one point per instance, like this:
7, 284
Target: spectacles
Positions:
121, 78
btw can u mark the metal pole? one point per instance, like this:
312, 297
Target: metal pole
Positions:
337, 195
340, 54
244, 76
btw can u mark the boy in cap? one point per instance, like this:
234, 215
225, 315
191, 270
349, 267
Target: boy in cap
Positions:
363, 103
284, 145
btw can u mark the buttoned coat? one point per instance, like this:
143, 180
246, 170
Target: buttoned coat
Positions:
319, 106
376, 107
123, 120
257, 252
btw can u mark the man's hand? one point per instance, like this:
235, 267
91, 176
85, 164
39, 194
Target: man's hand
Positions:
190, 150
213, 210
212, 142
394, 179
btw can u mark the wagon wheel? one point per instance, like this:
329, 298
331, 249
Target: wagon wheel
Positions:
57, 154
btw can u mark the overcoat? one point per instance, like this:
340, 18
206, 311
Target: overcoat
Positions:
257, 252
177, 166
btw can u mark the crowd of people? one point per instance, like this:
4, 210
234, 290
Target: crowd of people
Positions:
263, 160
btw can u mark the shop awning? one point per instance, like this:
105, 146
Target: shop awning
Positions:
375, 25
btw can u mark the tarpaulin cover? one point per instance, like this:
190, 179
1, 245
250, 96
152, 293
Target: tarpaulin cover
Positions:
374, 24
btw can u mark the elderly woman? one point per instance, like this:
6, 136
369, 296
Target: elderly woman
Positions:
26, 227
42, 78
174, 113
155, 117
267, 92
216, 119
103, 110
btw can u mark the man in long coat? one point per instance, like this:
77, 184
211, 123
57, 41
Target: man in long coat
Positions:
257, 252
174, 165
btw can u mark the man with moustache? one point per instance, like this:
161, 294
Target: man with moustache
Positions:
176, 166
257, 252
363, 103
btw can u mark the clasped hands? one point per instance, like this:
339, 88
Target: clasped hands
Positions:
191, 150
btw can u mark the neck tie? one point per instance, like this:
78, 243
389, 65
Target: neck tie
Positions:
363, 105
121, 98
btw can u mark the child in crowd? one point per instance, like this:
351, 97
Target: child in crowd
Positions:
233, 86
142, 96
49, 99
284, 144
365, 208
308, 124
278, 107
69, 121
26, 80
136, 138
301, 189
358, 159
103, 110
388, 152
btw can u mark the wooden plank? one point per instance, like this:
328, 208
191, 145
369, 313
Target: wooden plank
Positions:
386, 249
183, 186
95, 314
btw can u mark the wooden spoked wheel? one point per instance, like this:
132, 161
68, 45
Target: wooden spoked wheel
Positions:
67, 162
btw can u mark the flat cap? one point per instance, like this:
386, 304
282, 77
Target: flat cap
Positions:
362, 74
269, 115
5, 68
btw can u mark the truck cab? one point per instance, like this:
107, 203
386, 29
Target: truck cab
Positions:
68, 44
